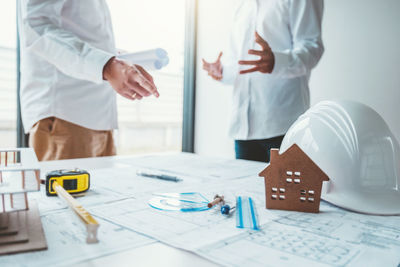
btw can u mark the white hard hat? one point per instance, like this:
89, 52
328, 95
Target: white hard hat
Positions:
354, 146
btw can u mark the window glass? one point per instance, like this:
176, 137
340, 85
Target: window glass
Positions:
151, 124
8, 73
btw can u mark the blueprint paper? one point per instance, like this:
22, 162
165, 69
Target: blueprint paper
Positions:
96, 195
125, 183
334, 237
66, 239
107, 185
198, 166
181, 229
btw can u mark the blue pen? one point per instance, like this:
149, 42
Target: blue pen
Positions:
159, 176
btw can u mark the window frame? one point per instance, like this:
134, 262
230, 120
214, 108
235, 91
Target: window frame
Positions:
22, 138
189, 88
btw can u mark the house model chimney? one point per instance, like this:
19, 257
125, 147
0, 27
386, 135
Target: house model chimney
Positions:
274, 154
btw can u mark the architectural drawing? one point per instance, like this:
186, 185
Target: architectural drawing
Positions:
332, 237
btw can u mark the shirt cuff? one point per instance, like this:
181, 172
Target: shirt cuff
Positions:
95, 61
281, 62
228, 74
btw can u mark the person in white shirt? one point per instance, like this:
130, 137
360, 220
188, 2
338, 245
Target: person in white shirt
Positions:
70, 77
274, 46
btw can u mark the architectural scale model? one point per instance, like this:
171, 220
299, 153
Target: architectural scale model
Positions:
293, 181
20, 225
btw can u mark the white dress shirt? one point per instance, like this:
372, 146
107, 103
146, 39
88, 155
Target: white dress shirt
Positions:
64, 47
265, 105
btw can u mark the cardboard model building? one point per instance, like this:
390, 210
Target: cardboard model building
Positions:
20, 226
293, 181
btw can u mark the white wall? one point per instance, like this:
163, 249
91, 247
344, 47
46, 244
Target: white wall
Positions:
362, 56
361, 62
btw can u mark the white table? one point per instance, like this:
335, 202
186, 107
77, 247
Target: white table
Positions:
156, 254
333, 227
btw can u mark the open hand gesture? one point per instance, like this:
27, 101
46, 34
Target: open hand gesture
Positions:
267, 59
214, 69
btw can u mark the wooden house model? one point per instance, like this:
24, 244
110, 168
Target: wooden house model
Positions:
293, 181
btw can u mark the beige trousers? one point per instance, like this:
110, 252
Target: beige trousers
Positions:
54, 139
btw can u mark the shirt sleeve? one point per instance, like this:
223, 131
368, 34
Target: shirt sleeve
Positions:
305, 24
229, 65
44, 36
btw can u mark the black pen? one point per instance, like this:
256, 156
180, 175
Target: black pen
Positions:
159, 176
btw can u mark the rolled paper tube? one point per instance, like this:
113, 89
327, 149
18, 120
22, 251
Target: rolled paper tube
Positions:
164, 61
150, 64
154, 54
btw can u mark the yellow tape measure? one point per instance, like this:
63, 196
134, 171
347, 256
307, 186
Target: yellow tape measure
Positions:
91, 224
73, 181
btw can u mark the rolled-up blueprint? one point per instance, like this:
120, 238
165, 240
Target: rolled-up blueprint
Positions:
154, 59
153, 64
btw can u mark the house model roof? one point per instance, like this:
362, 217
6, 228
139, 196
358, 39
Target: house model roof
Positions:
293, 157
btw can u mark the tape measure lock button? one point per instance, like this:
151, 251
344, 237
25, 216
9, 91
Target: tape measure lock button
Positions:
70, 184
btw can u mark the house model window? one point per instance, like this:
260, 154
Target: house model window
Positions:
278, 194
293, 181
293, 177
